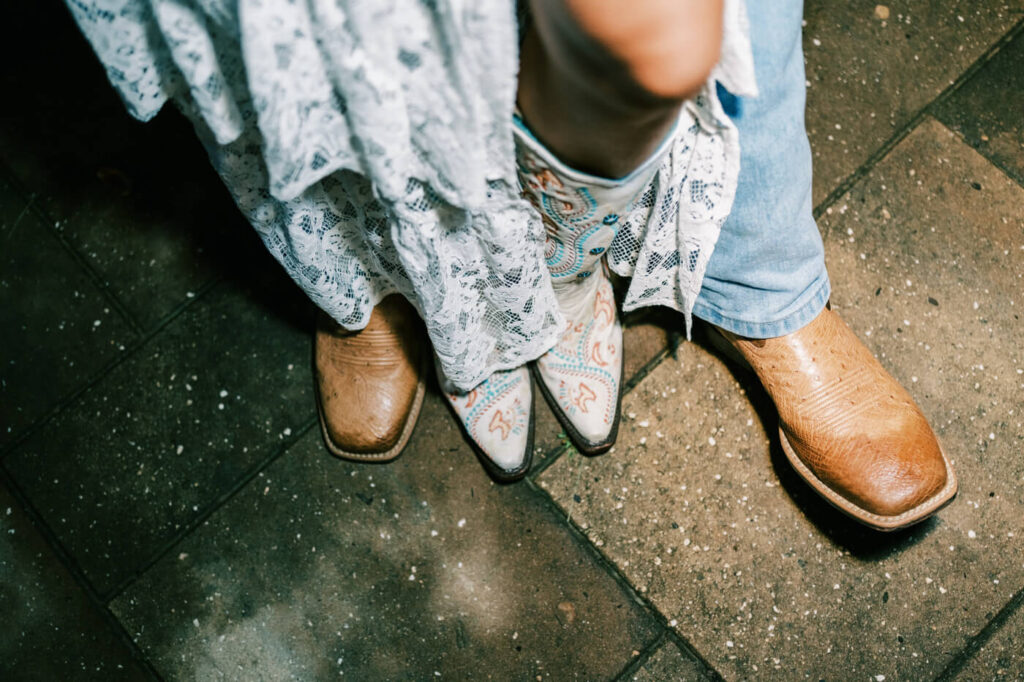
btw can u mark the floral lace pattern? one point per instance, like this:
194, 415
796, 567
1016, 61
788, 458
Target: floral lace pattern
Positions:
665, 241
369, 142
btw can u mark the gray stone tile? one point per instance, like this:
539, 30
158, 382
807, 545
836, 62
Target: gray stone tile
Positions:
701, 512
648, 332
669, 663
160, 438
139, 202
1002, 657
419, 568
52, 631
58, 328
988, 110
869, 76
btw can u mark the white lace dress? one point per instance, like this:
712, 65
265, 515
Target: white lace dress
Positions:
369, 142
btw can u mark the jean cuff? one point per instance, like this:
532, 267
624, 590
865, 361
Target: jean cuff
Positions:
814, 300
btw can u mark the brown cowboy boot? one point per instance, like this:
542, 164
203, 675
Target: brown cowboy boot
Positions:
848, 428
370, 383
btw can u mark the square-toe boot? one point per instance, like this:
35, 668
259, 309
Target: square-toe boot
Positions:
370, 383
848, 427
497, 416
581, 377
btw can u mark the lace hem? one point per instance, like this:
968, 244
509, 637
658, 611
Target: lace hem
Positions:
369, 142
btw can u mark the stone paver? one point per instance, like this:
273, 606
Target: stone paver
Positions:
419, 569
989, 109
58, 329
868, 76
1002, 657
51, 629
160, 438
701, 512
669, 663
140, 203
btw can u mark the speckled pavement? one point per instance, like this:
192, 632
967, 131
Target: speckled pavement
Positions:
168, 511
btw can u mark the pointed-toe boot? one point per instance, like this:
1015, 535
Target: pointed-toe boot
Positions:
497, 416
581, 377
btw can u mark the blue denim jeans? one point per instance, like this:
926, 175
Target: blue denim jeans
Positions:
767, 274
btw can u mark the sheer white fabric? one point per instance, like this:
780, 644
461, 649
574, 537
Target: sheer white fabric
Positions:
369, 142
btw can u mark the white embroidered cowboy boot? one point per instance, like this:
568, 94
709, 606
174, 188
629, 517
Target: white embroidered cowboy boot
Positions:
581, 377
498, 417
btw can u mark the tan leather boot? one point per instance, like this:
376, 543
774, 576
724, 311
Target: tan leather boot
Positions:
370, 383
848, 428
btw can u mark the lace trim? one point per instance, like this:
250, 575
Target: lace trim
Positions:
369, 143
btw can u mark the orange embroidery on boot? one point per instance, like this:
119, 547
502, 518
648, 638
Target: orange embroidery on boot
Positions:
595, 356
471, 398
548, 180
603, 306
498, 423
584, 395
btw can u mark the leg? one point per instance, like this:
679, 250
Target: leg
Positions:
586, 75
616, 71
849, 429
369, 382
767, 276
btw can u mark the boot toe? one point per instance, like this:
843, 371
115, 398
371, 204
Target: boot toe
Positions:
497, 415
900, 480
509, 454
366, 434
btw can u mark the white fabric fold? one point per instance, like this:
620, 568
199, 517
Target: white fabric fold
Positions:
369, 142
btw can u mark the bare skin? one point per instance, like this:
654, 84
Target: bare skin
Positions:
602, 81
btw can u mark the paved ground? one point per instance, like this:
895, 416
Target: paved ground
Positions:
168, 510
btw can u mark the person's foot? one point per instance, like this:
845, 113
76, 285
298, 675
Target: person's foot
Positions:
370, 383
848, 428
581, 377
497, 416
